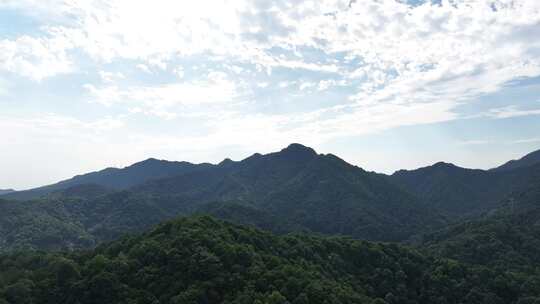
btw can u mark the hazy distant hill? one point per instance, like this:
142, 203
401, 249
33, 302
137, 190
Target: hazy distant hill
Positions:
295, 189
530, 159
6, 191
460, 191
319, 192
114, 178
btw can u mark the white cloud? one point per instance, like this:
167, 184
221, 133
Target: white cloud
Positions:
179, 72
144, 68
35, 58
428, 52
394, 64
110, 77
511, 111
475, 142
162, 100
326, 84
525, 141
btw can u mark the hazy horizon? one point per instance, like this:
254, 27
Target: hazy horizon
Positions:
243, 157
385, 85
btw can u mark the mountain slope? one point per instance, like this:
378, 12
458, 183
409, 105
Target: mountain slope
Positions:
507, 238
295, 189
453, 189
530, 159
6, 191
114, 178
319, 192
201, 260
462, 192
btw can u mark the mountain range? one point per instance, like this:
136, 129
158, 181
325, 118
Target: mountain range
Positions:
295, 189
462, 192
114, 178
142, 234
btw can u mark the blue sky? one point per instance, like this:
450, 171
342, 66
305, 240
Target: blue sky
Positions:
384, 84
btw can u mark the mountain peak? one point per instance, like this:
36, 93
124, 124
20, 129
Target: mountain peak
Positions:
226, 162
296, 152
444, 165
299, 148
150, 160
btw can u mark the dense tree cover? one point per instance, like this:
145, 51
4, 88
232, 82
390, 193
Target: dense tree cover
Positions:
71, 222
202, 260
493, 258
295, 189
461, 192
45, 225
507, 238
502, 240
291, 190
321, 193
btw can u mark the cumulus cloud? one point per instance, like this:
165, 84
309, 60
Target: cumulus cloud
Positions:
35, 58
384, 63
159, 100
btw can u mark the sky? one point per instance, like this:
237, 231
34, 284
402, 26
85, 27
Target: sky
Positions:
383, 84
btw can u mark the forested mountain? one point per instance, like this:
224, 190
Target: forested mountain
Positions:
319, 192
484, 250
201, 260
507, 240
6, 191
295, 189
463, 192
115, 178
528, 160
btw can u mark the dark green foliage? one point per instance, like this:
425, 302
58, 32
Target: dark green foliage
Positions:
461, 192
46, 225
320, 193
201, 260
492, 258
246, 214
505, 241
292, 190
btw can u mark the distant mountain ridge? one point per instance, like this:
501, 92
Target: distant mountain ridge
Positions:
6, 191
114, 178
294, 189
320, 192
528, 160
461, 191
472, 236
451, 188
